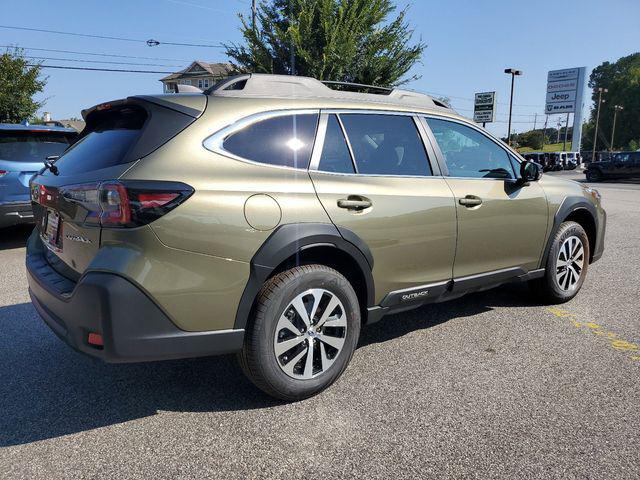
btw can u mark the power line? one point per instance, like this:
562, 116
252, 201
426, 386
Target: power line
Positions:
100, 61
150, 42
65, 67
95, 54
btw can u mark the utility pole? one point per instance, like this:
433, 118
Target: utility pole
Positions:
595, 131
544, 130
566, 132
254, 11
535, 120
616, 109
559, 125
513, 72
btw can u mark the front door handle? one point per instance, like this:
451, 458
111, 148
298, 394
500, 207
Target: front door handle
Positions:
470, 201
354, 202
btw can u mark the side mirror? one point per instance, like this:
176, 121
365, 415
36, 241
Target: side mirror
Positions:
530, 172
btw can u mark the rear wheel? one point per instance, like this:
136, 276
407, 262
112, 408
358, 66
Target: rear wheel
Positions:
303, 333
566, 266
594, 175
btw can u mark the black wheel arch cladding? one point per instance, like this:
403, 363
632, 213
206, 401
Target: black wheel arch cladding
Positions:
569, 206
289, 239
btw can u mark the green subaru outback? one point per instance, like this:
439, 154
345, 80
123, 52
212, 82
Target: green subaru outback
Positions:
274, 216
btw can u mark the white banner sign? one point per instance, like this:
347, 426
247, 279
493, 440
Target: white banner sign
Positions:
484, 107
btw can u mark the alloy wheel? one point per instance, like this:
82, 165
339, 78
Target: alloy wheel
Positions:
310, 334
570, 263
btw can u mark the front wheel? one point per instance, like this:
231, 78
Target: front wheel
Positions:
303, 333
566, 266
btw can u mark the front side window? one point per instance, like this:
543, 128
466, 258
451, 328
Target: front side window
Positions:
468, 153
284, 140
386, 144
335, 152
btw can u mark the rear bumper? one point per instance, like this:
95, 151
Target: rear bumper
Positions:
15, 213
133, 327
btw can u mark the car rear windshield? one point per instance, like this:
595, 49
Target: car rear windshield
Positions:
105, 142
32, 146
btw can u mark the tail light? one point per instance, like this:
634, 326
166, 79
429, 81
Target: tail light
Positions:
3, 173
126, 204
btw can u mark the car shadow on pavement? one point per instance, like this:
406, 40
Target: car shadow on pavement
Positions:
48, 390
14, 237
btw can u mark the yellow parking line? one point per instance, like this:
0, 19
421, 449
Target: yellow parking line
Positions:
614, 340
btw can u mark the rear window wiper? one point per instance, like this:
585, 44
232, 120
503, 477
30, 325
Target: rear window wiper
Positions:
48, 164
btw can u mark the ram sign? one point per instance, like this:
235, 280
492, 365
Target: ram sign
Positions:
564, 90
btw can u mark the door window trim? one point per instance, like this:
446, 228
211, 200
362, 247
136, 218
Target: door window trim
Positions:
440, 156
215, 142
321, 133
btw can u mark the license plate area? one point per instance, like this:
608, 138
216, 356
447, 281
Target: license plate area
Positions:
52, 229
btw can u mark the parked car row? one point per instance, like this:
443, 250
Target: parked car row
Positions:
554, 161
23, 150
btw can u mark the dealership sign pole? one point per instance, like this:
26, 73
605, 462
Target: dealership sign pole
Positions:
565, 92
484, 107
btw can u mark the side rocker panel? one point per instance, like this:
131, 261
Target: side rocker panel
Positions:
288, 239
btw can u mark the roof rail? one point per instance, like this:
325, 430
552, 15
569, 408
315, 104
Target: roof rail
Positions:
261, 85
358, 86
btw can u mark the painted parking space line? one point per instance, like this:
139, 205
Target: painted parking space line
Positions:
615, 341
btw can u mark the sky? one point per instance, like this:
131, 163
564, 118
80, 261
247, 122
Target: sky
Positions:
470, 43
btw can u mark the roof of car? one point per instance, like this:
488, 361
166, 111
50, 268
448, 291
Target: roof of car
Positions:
290, 86
35, 128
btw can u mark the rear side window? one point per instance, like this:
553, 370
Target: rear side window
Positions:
285, 140
335, 152
111, 135
386, 144
32, 146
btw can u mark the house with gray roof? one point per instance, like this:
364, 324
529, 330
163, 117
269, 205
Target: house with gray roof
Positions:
199, 74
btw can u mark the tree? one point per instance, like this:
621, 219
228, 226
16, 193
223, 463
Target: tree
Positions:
19, 82
622, 79
341, 40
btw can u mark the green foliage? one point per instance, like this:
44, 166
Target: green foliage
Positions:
19, 82
634, 145
622, 79
341, 40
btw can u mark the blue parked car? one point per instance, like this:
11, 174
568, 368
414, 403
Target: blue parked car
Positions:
23, 149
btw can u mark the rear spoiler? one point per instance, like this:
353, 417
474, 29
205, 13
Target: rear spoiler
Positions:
191, 104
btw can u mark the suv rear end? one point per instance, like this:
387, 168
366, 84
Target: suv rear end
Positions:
23, 149
87, 275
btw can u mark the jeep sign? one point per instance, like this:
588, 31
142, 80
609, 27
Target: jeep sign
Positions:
564, 90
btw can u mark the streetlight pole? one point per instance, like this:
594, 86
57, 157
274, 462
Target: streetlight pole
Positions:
595, 132
513, 72
616, 109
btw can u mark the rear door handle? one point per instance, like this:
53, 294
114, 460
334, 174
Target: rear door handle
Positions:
354, 202
470, 201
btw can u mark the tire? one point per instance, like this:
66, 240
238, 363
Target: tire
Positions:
594, 176
560, 284
282, 376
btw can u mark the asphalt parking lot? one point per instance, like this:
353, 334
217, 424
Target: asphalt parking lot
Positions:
488, 386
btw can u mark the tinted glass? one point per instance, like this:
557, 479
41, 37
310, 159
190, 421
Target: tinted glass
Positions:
335, 152
468, 153
386, 144
111, 134
286, 140
32, 147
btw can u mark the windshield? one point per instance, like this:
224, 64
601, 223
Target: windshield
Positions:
32, 146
